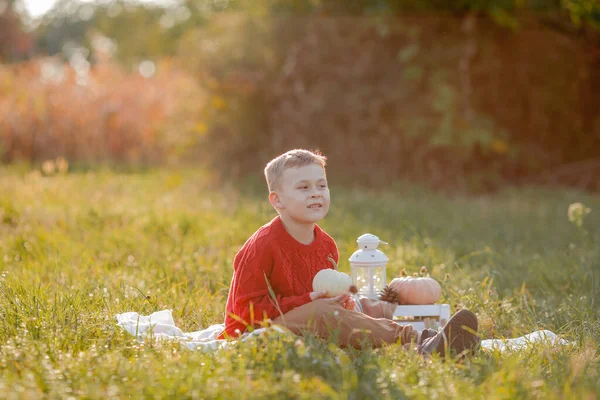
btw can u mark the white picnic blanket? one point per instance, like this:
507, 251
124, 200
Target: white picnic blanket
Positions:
160, 325
543, 336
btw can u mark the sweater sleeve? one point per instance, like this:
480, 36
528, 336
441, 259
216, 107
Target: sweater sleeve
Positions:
252, 300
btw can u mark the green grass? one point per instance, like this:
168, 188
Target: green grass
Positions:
76, 249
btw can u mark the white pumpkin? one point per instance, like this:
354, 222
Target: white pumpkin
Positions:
334, 282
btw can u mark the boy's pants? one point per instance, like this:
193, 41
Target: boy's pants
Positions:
328, 319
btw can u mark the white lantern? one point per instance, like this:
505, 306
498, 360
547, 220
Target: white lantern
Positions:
368, 266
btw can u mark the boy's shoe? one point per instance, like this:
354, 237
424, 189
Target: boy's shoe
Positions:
459, 335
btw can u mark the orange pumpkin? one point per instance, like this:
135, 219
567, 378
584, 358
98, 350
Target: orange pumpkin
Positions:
416, 290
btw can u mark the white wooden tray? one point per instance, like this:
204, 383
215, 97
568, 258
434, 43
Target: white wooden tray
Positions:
434, 316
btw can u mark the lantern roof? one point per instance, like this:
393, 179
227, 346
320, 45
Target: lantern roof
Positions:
367, 253
369, 241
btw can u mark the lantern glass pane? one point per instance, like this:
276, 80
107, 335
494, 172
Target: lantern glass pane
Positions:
379, 278
363, 279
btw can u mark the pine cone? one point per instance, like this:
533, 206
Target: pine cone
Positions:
390, 295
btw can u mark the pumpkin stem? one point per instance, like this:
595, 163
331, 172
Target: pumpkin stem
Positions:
332, 261
403, 272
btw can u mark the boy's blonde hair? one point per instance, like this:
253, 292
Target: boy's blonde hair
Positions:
290, 159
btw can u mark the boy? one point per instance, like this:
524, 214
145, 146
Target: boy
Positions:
281, 258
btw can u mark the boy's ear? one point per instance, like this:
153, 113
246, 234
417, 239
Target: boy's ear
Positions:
275, 200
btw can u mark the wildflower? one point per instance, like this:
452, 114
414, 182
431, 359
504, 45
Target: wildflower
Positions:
218, 102
499, 146
48, 167
62, 165
200, 128
577, 212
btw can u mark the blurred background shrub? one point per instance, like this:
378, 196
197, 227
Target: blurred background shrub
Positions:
467, 94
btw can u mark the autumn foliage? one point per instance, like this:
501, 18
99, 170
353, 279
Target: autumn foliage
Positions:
455, 101
93, 114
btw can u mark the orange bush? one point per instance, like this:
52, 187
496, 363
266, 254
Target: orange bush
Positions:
94, 114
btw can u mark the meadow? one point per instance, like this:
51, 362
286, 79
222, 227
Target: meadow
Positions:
77, 248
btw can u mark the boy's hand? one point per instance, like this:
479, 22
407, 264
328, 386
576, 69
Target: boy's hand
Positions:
349, 304
343, 299
317, 295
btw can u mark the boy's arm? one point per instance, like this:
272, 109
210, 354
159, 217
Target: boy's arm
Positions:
253, 301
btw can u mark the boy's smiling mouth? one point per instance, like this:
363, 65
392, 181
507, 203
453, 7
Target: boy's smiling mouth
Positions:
315, 206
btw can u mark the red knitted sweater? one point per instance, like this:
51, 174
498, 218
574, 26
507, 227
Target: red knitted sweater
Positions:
289, 266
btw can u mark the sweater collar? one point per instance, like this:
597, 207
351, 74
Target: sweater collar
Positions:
285, 236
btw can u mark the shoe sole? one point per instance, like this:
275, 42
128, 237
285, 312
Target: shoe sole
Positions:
461, 331
459, 335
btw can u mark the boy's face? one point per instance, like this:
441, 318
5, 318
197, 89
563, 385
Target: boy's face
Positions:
303, 195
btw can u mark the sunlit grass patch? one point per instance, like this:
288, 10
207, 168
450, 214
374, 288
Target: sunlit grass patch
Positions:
78, 248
